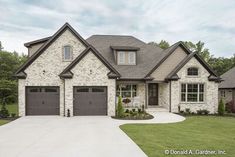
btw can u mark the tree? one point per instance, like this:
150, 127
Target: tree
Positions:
120, 110
1, 48
221, 107
199, 48
162, 44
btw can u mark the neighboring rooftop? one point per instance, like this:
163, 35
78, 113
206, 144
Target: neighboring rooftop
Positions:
229, 79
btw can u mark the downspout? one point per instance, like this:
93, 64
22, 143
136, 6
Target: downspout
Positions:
170, 98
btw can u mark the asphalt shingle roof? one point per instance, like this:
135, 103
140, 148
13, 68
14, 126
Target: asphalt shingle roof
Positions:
229, 79
147, 55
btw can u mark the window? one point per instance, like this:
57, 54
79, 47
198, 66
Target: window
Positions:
97, 89
192, 71
131, 58
50, 90
83, 90
126, 57
222, 93
126, 91
121, 57
192, 92
67, 52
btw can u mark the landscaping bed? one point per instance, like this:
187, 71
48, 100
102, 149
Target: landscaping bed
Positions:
135, 116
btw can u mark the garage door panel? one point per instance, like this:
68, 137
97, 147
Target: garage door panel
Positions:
90, 101
42, 101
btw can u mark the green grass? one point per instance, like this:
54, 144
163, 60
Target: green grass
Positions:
3, 121
195, 133
12, 108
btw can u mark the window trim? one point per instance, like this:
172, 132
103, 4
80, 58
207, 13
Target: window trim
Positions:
198, 93
193, 68
134, 57
71, 53
118, 57
131, 90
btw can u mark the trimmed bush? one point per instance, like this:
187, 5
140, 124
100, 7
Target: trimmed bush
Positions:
120, 110
221, 107
139, 110
4, 113
187, 111
133, 110
199, 112
127, 111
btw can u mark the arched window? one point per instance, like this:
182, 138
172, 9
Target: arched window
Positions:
192, 71
67, 53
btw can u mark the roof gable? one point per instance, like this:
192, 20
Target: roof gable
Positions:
48, 43
68, 74
168, 52
173, 75
228, 79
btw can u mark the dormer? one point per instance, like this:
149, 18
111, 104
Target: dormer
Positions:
125, 55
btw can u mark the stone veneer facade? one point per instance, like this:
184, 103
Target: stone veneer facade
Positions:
45, 70
210, 89
90, 71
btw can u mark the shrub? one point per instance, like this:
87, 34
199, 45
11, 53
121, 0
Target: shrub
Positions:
178, 108
187, 110
127, 111
139, 110
199, 112
13, 115
182, 111
120, 110
206, 112
221, 107
4, 113
143, 109
228, 107
133, 110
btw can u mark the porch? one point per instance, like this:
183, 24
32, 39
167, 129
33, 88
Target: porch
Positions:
154, 96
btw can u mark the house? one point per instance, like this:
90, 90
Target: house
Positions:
227, 86
66, 74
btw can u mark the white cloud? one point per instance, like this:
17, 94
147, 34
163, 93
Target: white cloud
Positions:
211, 21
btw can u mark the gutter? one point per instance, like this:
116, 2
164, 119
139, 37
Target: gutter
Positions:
64, 98
170, 98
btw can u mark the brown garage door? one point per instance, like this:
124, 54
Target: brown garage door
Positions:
90, 101
42, 101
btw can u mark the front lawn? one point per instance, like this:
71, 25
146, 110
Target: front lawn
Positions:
12, 108
195, 133
3, 121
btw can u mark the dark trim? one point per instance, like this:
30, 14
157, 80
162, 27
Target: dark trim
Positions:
173, 74
49, 42
133, 79
34, 42
125, 48
97, 54
227, 88
21, 75
172, 49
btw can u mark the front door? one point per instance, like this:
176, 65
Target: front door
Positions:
153, 94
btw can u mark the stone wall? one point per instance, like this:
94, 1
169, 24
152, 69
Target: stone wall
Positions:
163, 95
45, 69
210, 89
90, 71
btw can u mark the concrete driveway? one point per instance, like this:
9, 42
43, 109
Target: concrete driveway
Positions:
55, 136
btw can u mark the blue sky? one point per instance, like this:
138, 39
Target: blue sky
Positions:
211, 21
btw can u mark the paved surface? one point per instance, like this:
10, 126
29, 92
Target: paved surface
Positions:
55, 136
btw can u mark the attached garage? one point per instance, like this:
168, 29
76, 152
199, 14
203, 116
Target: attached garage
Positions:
42, 101
90, 100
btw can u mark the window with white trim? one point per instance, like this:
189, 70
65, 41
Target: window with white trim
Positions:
192, 92
121, 57
67, 53
131, 58
126, 91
